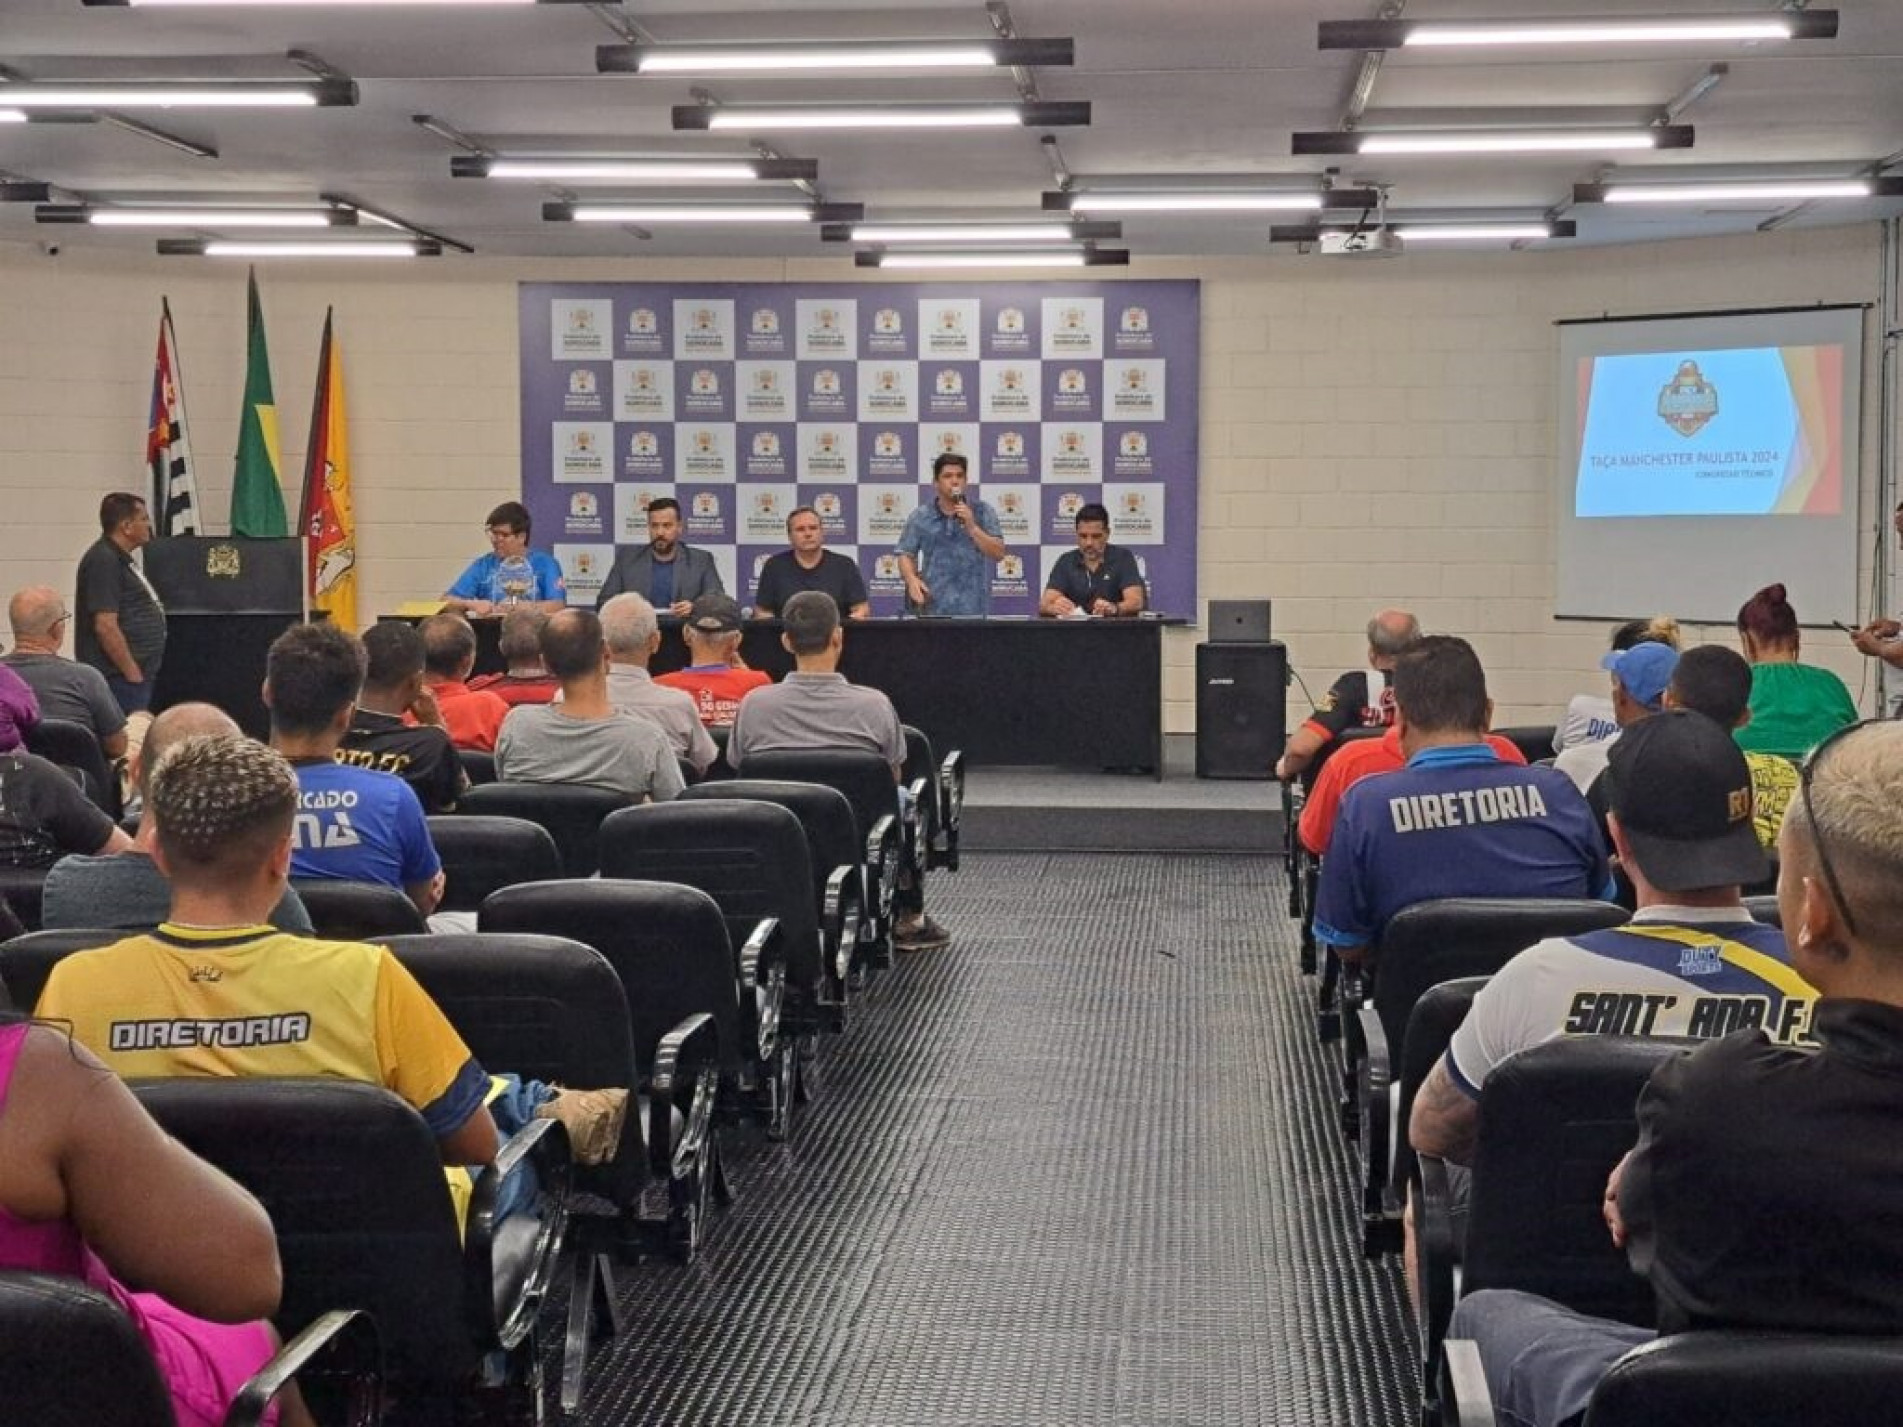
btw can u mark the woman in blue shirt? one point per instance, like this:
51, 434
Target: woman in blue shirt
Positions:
510, 574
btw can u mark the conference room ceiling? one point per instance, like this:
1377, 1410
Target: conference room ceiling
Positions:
1196, 90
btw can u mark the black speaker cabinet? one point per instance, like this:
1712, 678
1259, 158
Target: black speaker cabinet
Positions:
1240, 722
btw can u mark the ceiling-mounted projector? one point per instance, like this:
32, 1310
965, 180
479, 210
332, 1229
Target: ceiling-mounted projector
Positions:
1367, 243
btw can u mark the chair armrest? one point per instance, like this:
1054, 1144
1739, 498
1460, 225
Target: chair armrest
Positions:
496, 1325
951, 787
692, 1046
1437, 1260
763, 986
884, 845
350, 1339
840, 916
763, 948
1374, 1076
1464, 1398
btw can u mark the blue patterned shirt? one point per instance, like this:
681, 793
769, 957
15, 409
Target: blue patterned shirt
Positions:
954, 569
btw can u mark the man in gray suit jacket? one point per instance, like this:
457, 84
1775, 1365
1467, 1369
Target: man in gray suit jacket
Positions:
667, 574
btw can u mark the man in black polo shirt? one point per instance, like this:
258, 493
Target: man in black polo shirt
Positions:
120, 630
809, 567
1097, 578
380, 737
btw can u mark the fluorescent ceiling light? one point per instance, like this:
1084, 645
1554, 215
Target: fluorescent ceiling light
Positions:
175, 94
208, 218
755, 118
1403, 142
980, 260
1473, 232
1775, 190
702, 213
1789, 24
811, 57
12, 116
313, 4
373, 248
962, 233
622, 171
1194, 202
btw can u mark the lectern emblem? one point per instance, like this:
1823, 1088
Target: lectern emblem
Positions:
223, 562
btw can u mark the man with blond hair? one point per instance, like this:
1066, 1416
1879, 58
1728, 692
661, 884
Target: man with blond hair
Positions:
1360, 698
65, 688
633, 634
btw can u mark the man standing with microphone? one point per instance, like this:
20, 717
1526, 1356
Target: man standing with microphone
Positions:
947, 547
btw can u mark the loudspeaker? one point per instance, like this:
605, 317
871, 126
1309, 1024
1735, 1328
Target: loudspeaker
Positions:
1240, 710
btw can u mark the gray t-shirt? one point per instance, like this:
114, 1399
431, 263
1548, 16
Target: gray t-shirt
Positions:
127, 892
70, 690
540, 744
110, 583
816, 711
632, 690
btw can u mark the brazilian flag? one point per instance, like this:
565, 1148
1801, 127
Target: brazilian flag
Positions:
257, 494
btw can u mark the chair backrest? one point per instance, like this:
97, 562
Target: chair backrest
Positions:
357, 911
921, 762
1335, 745
26, 961
1431, 942
1535, 741
353, 1181
481, 854
1430, 1027
480, 767
832, 836
571, 813
667, 943
865, 778
750, 857
1765, 1379
24, 889
1554, 1120
72, 745
70, 1357
1764, 909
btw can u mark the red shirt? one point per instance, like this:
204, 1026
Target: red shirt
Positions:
515, 689
717, 689
472, 716
1354, 761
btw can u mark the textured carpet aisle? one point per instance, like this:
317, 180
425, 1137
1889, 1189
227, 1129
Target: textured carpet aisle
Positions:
1055, 1177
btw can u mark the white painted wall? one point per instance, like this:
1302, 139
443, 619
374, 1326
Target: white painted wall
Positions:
1372, 432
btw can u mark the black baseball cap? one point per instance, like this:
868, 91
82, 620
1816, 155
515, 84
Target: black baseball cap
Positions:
1682, 792
715, 614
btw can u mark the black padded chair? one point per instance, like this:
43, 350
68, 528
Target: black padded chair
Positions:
26, 961
1765, 909
23, 888
1387, 1159
835, 857
1535, 741
752, 859
668, 946
480, 768
1304, 867
1554, 1120
481, 854
357, 911
938, 791
866, 780
353, 1181
1431, 942
571, 813
72, 745
553, 1010
70, 1357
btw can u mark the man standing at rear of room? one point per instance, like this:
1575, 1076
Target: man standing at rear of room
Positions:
120, 630
948, 547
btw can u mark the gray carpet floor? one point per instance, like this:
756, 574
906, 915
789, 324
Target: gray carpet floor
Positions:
1079, 1170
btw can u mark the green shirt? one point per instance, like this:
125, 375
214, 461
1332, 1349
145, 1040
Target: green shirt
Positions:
1794, 707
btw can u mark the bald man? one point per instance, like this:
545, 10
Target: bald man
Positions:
65, 688
1361, 698
124, 888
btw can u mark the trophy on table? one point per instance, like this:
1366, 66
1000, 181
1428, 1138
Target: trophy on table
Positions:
515, 577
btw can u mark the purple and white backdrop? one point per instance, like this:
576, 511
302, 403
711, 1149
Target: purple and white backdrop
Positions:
745, 400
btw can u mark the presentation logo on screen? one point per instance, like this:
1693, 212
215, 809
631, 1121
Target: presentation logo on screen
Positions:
1687, 402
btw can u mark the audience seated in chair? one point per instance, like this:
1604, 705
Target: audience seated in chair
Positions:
44, 816
65, 688
398, 726
1716, 682
1690, 963
216, 990
1360, 698
353, 824
815, 707
523, 679
715, 675
126, 890
1456, 821
473, 717
1639, 676
105, 1197
1762, 1193
1794, 706
1589, 717
1354, 760
584, 738
633, 634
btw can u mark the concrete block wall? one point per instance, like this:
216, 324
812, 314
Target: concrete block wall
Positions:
1373, 433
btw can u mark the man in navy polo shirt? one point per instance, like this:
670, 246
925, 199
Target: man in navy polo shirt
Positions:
1455, 821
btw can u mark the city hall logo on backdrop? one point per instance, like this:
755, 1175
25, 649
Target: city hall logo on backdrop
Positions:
642, 500
706, 506
887, 322
1136, 380
704, 443
949, 383
766, 503
581, 322
825, 382
826, 322
948, 443
1010, 444
581, 443
1074, 319
1011, 320
704, 320
1687, 402
1070, 382
766, 381
826, 506
1011, 382
1011, 503
766, 443
1134, 319
1011, 568
886, 567
706, 383
950, 321
1134, 503
581, 382
643, 323
1133, 444
888, 502
887, 381
585, 563
1068, 504
1071, 443
826, 443
766, 322
644, 381
582, 505
644, 445
887, 443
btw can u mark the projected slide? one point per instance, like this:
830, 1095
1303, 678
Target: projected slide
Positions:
1744, 431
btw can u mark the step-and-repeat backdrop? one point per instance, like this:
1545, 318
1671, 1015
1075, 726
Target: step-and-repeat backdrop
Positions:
744, 401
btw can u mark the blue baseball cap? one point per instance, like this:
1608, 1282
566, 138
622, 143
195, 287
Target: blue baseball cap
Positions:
1644, 669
